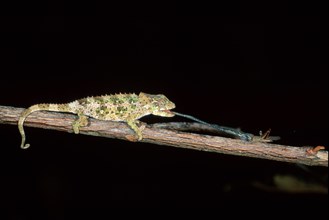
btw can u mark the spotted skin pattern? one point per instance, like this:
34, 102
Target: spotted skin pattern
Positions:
118, 107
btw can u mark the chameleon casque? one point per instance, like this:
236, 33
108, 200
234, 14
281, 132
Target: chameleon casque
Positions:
118, 107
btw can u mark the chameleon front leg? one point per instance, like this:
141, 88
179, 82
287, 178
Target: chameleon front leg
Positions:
133, 125
80, 122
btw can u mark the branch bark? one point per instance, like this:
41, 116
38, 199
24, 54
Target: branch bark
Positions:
163, 134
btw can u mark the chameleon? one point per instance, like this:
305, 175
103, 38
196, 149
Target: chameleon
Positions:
118, 107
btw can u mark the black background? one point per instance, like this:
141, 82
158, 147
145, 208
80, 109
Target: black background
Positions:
251, 65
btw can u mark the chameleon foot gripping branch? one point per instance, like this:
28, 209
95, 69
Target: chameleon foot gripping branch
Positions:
118, 107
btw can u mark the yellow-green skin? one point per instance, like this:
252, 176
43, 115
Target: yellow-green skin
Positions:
119, 107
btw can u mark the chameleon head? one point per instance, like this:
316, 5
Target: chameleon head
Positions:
159, 104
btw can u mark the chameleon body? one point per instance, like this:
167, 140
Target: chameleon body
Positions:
119, 107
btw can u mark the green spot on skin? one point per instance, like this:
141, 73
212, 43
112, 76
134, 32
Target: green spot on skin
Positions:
121, 109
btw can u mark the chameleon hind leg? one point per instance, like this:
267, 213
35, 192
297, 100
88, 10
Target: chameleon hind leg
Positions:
80, 122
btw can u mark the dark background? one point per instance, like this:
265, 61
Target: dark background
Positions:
251, 65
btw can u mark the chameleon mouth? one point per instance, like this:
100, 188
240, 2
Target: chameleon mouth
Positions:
168, 112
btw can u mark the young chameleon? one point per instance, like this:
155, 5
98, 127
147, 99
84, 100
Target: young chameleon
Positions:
119, 107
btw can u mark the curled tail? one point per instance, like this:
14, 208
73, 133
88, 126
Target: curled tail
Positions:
21, 120
33, 108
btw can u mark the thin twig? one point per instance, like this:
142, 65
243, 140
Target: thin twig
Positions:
157, 134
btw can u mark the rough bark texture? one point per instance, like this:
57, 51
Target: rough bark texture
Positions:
157, 134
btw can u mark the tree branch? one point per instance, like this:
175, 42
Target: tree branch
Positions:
171, 134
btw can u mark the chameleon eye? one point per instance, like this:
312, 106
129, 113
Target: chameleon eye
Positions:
155, 103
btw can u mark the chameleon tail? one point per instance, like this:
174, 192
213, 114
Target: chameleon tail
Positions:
21, 120
33, 108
